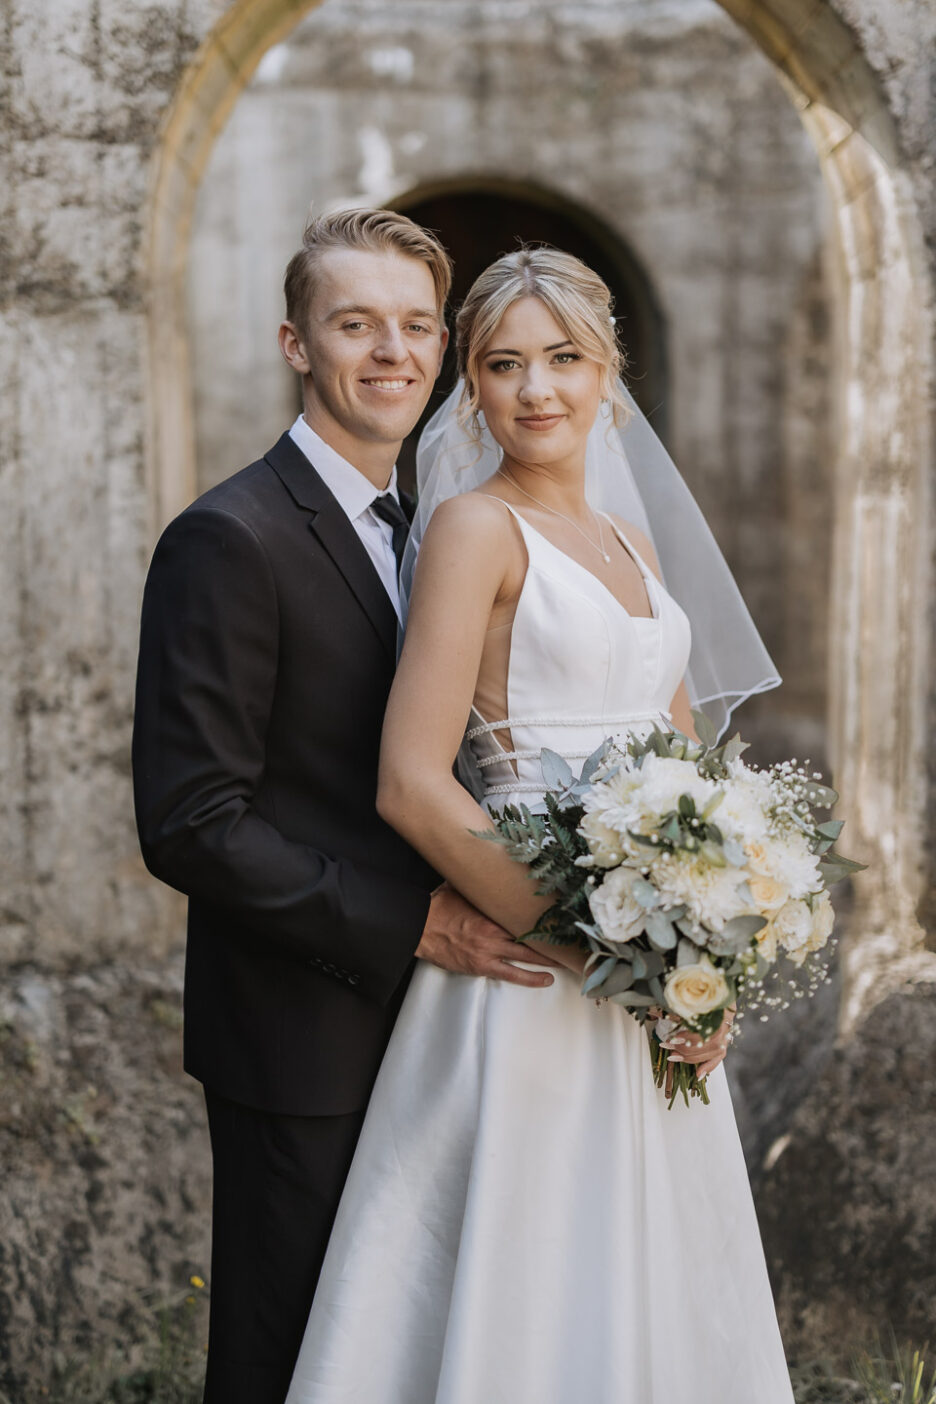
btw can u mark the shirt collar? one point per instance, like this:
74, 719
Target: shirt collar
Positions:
353, 490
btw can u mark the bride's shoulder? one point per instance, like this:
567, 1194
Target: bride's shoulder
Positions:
471, 517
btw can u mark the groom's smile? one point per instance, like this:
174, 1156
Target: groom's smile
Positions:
369, 352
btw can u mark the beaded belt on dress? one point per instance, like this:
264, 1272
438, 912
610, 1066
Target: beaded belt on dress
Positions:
510, 723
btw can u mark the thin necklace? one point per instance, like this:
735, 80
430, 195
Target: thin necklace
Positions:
546, 507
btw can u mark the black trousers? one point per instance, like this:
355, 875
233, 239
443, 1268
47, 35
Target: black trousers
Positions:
277, 1183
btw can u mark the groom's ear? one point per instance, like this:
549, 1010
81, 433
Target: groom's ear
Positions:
443, 343
292, 348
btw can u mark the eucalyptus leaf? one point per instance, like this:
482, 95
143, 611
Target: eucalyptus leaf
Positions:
645, 893
823, 795
633, 999
713, 804
556, 772
595, 760
733, 749
656, 989
600, 972
735, 936
704, 728
660, 931
831, 828
687, 952
734, 852
835, 868
620, 979
654, 964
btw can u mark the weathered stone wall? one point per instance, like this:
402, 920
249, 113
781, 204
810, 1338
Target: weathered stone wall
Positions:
106, 1190
673, 127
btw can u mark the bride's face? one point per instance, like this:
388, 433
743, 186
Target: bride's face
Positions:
538, 392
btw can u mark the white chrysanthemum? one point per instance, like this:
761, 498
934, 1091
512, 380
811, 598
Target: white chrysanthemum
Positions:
743, 813
666, 779
615, 908
789, 860
613, 806
711, 894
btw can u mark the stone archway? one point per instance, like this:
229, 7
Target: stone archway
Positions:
879, 621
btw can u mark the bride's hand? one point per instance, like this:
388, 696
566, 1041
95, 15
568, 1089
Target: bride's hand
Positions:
687, 1047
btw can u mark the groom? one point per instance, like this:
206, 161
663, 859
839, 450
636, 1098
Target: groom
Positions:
266, 657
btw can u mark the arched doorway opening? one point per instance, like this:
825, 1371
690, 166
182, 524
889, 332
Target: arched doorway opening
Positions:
478, 220
880, 637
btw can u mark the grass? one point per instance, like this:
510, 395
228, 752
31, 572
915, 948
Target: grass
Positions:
165, 1364
163, 1361
897, 1372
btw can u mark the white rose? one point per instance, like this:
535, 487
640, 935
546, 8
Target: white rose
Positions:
692, 990
604, 843
615, 908
793, 926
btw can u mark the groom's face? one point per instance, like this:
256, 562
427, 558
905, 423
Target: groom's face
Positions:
371, 348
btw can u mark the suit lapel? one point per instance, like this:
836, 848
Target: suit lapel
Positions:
330, 525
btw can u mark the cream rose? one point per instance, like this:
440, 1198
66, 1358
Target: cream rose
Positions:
692, 990
767, 942
769, 894
823, 919
793, 925
604, 843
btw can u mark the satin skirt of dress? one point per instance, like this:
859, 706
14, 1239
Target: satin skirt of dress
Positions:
525, 1222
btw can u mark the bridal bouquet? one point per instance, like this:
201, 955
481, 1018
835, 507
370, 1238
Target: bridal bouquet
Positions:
686, 873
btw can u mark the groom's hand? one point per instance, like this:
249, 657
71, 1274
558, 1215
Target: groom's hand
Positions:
457, 937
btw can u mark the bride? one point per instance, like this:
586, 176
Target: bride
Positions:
525, 1221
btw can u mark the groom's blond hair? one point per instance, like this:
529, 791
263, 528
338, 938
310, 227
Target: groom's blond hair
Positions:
375, 230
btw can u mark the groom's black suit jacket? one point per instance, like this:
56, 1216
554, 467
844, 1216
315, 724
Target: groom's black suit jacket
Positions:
267, 652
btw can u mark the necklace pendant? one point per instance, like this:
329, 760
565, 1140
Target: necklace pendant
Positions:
606, 557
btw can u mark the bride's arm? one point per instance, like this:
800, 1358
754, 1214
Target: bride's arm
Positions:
469, 561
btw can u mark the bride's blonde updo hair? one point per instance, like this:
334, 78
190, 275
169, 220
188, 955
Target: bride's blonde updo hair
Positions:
579, 300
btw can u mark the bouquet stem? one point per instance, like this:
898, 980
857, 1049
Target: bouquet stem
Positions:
683, 1079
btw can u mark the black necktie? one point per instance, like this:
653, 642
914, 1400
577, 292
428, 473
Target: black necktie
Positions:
389, 510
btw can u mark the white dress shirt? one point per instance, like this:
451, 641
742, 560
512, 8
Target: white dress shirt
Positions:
355, 494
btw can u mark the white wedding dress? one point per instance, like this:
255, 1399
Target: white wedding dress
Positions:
525, 1222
